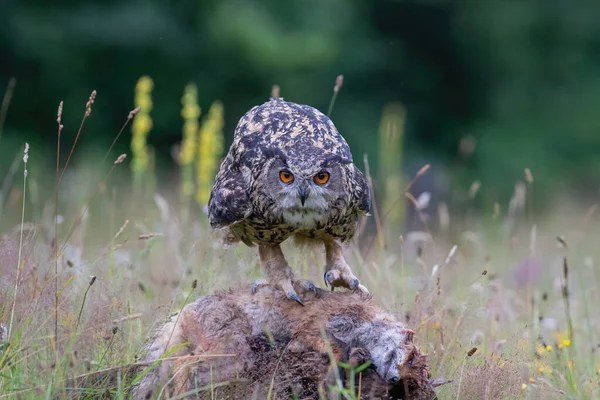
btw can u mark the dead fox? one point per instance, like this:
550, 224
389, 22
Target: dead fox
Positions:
214, 339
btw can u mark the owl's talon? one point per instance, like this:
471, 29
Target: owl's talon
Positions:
257, 283
336, 278
294, 296
303, 285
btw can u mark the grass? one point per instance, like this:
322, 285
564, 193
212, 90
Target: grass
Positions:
502, 303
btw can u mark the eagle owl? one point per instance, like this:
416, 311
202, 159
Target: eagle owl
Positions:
288, 173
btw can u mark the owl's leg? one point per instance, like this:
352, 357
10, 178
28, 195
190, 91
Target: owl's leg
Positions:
279, 273
337, 271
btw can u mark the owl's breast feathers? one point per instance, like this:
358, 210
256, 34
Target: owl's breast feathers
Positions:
298, 132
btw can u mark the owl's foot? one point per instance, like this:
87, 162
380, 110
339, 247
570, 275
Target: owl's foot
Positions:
337, 271
280, 275
336, 278
287, 285
305, 286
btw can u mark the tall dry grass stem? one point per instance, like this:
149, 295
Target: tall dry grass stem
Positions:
55, 244
132, 114
422, 218
185, 302
14, 302
566, 295
380, 234
272, 384
92, 280
339, 82
102, 184
88, 112
419, 173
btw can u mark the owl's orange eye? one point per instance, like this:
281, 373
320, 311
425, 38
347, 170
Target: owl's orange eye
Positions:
286, 176
322, 178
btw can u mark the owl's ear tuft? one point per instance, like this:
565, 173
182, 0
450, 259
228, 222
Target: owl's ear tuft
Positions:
335, 159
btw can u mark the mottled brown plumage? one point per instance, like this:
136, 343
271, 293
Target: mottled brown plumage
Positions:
289, 172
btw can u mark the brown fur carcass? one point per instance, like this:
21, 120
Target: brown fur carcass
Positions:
238, 345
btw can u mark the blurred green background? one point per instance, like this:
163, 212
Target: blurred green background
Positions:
515, 84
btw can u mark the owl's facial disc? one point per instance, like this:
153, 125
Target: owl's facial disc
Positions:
303, 193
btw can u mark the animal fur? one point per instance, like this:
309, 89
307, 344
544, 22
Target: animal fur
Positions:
247, 340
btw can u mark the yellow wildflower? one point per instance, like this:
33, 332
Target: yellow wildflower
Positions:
541, 370
566, 342
524, 386
190, 113
145, 84
549, 348
210, 147
391, 142
531, 380
141, 125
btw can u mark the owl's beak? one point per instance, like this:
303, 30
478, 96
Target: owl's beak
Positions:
303, 193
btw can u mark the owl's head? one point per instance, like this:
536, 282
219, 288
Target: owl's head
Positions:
306, 190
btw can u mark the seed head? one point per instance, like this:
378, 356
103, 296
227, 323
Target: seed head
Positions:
528, 176
275, 92
120, 159
423, 170
88, 105
145, 236
474, 189
59, 114
562, 241
133, 112
339, 81
451, 254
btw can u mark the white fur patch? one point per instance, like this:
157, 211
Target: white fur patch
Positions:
304, 219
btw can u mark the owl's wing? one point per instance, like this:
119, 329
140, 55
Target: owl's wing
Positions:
361, 193
229, 201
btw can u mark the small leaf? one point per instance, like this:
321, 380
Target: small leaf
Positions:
66, 284
364, 366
